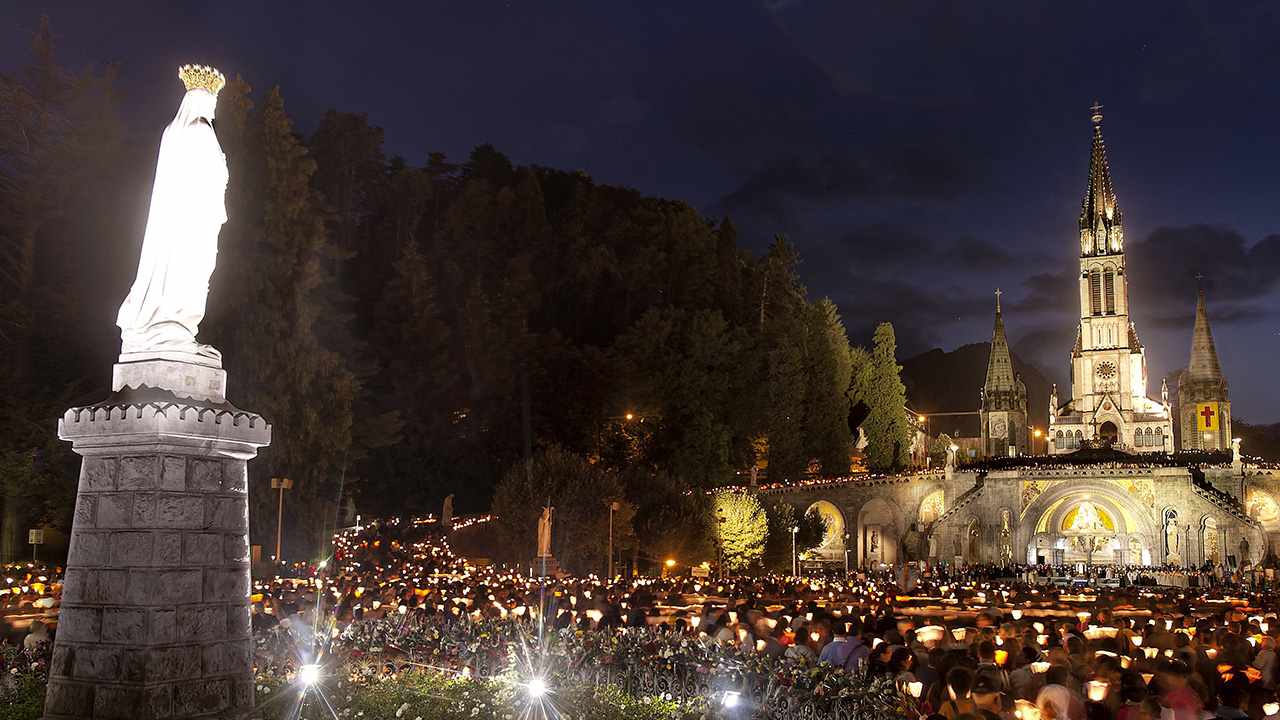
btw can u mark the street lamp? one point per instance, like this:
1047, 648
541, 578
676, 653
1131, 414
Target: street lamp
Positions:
720, 558
1036, 433
613, 507
846, 554
280, 484
924, 421
795, 559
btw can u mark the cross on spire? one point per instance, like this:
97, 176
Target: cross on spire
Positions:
998, 294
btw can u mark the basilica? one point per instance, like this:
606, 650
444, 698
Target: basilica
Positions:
1107, 484
1109, 405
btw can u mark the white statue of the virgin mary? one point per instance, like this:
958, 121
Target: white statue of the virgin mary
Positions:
164, 308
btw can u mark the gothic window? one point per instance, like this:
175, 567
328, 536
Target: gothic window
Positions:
1137, 438
1095, 292
1109, 288
1079, 439
1158, 440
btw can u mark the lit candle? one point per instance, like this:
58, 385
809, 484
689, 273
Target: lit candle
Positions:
1026, 710
1097, 690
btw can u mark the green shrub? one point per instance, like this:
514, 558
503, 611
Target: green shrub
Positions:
22, 697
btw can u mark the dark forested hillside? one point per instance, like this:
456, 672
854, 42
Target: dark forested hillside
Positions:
939, 381
412, 328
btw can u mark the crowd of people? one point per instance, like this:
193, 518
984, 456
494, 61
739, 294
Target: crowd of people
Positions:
976, 643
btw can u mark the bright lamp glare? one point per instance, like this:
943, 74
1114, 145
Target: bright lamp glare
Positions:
537, 688
309, 674
731, 699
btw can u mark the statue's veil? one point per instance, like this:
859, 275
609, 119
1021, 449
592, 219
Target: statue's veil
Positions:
187, 149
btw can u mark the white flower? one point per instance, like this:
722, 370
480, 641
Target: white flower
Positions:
402, 709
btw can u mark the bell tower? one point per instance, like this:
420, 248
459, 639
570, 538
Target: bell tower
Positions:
1109, 403
1004, 399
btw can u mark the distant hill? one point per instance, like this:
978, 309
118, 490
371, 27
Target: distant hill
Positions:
939, 381
1258, 440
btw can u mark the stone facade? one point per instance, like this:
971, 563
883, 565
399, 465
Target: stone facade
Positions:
155, 618
1151, 515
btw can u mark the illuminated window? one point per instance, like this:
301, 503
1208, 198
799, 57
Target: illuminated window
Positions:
1095, 292
1109, 286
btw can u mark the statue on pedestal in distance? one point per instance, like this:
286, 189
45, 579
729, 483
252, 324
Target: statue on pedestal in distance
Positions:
544, 532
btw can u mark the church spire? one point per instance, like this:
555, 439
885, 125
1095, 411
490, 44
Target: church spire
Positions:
999, 365
1203, 365
1101, 222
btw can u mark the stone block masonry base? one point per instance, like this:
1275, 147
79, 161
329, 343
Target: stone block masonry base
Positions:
155, 607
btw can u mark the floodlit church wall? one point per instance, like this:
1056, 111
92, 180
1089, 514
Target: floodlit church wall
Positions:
889, 508
1037, 504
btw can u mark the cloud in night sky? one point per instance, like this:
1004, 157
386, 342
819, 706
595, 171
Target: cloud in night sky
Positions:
888, 171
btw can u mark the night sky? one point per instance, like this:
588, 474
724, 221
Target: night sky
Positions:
918, 154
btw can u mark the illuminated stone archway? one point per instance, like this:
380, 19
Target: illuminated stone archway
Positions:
833, 547
931, 507
1090, 521
880, 526
1262, 506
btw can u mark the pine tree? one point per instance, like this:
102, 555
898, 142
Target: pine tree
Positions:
830, 371
783, 333
64, 204
417, 383
275, 287
878, 383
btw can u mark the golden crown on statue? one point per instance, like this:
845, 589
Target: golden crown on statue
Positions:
202, 77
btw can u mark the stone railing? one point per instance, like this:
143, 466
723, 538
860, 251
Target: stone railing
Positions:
965, 498
866, 480
1223, 501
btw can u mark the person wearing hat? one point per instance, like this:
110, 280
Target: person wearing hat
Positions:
987, 696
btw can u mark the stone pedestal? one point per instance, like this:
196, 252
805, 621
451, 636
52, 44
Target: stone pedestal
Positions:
155, 607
